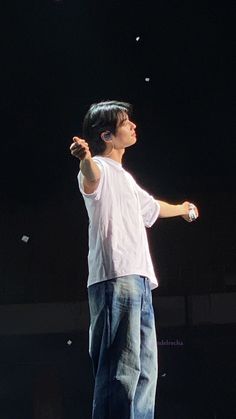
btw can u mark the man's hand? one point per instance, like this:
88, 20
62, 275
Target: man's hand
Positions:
80, 149
187, 207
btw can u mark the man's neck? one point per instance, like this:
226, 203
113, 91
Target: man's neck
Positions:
115, 154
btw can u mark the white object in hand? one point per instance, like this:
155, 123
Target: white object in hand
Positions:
192, 213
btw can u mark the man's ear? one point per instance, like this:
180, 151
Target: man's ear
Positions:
106, 135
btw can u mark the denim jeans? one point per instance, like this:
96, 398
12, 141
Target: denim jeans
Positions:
123, 348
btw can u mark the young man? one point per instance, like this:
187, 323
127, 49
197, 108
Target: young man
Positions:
122, 336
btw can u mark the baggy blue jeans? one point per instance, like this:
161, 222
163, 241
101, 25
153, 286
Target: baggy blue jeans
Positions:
123, 348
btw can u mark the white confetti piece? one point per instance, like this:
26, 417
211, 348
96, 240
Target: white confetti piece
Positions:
25, 239
69, 342
137, 38
147, 79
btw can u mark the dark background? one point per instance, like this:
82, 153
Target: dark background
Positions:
58, 57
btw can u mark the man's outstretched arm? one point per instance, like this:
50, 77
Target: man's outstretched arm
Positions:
182, 210
91, 172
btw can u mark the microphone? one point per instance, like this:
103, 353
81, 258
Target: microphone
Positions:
192, 213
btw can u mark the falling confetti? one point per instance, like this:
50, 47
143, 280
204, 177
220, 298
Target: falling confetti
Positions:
69, 342
137, 38
25, 239
147, 79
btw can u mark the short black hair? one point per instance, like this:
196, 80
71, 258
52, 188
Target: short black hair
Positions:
103, 116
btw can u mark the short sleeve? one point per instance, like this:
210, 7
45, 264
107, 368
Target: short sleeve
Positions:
97, 193
149, 206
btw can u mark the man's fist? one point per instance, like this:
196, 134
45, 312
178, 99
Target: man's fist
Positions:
187, 207
80, 149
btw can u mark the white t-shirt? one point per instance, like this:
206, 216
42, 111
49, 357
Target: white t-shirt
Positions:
118, 211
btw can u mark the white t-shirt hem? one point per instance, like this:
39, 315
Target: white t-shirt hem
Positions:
153, 281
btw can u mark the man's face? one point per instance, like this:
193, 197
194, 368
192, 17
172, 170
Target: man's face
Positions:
125, 135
